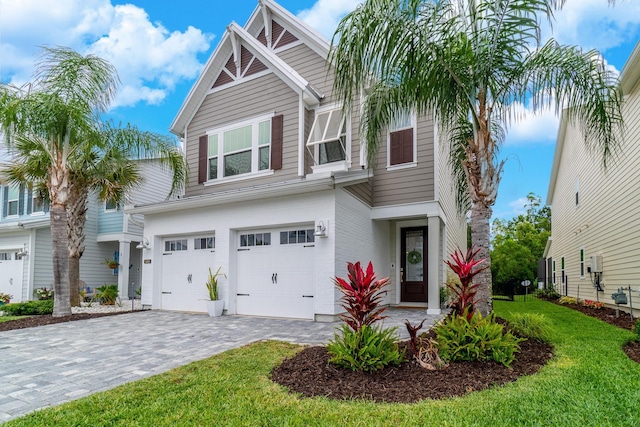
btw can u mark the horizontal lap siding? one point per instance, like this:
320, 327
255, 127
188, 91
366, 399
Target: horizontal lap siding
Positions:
263, 95
456, 227
410, 185
609, 201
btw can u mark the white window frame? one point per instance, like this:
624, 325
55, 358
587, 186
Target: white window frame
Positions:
393, 128
582, 262
10, 200
554, 272
35, 195
563, 276
340, 165
107, 209
255, 150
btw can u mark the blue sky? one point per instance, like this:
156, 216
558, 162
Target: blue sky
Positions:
160, 46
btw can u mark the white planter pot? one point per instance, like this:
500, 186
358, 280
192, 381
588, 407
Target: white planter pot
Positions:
215, 308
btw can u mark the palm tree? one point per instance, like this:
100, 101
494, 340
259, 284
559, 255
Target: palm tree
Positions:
471, 63
59, 141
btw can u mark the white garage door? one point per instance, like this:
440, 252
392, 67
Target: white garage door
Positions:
185, 268
11, 275
276, 273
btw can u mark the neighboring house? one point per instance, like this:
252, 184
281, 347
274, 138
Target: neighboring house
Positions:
595, 233
25, 238
279, 194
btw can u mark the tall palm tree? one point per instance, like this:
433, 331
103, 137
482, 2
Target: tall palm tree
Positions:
471, 63
58, 138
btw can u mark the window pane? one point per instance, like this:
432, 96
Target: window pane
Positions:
264, 132
197, 243
213, 168
293, 236
14, 193
266, 239
237, 139
13, 208
264, 158
310, 236
38, 204
259, 239
319, 126
331, 152
243, 240
401, 120
302, 236
284, 237
110, 205
239, 163
251, 239
334, 127
235, 164
213, 145
211, 242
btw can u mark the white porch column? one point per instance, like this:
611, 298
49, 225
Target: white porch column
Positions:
433, 263
123, 269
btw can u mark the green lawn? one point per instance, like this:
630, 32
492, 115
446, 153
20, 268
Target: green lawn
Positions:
590, 382
9, 318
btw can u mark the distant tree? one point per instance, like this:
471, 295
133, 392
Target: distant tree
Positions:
518, 243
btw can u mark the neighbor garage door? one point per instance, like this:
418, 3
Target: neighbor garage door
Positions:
11, 275
185, 267
275, 273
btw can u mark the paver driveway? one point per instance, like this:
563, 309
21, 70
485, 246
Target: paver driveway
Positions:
52, 364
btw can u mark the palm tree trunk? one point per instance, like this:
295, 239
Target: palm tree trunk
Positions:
480, 235
77, 217
60, 253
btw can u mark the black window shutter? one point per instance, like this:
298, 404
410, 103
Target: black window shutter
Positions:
21, 200
276, 141
203, 154
5, 201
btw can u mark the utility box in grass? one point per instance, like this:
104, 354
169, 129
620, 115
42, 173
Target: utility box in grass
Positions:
619, 297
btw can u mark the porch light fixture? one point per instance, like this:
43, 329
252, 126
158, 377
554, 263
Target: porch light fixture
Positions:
22, 252
144, 244
321, 230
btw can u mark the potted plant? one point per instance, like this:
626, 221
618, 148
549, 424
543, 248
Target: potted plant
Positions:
5, 298
214, 304
111, 263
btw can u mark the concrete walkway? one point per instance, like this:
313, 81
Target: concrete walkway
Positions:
49, 365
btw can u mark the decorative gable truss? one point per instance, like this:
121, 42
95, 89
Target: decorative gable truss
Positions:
248, 64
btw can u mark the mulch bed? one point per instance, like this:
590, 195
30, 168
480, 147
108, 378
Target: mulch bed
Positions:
309, 373
48, 319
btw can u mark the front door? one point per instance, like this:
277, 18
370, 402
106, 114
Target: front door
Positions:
413, 265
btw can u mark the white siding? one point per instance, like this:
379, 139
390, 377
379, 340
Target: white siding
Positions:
606, 220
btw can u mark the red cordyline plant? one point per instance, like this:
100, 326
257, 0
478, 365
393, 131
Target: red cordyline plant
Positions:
465, 293
361, 297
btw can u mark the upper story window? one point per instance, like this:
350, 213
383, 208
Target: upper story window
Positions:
328, 137
37, 203
13, 200
401, 148
110, 205
240, 149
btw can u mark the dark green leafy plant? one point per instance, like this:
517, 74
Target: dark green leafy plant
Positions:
107, 294
549, 294
636, 328
476, 338
28, 308
465, 292
368, 349
43, 293
530, 325
361, 296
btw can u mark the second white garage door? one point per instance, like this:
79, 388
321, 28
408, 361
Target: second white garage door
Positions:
276, 271
185, 268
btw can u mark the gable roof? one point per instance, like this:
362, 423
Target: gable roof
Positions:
236, 37
629, 78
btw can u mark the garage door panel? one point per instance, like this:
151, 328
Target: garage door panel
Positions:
11, 273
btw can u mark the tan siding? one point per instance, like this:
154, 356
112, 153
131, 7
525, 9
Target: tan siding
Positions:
262, 95
362, 191
606, 220
409, 185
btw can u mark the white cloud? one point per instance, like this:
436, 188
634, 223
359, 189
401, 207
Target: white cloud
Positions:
530, 128
150, 59
593, 24
518, 206
324, 15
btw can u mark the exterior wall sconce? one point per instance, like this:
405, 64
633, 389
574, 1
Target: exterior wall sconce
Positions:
321, 229
22, 252
144, 244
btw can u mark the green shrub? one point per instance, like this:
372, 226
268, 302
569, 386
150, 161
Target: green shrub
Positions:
368, 349
636, 328
107, 294
567, 300
28, 308
549, 294
530, 325
476, 338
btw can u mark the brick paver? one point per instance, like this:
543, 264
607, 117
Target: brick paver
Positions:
49, 365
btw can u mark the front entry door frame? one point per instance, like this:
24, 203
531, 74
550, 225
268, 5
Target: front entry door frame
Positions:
399, 226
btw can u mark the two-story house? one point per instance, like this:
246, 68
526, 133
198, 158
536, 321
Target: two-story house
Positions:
595, 236
280, 195
25, 238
